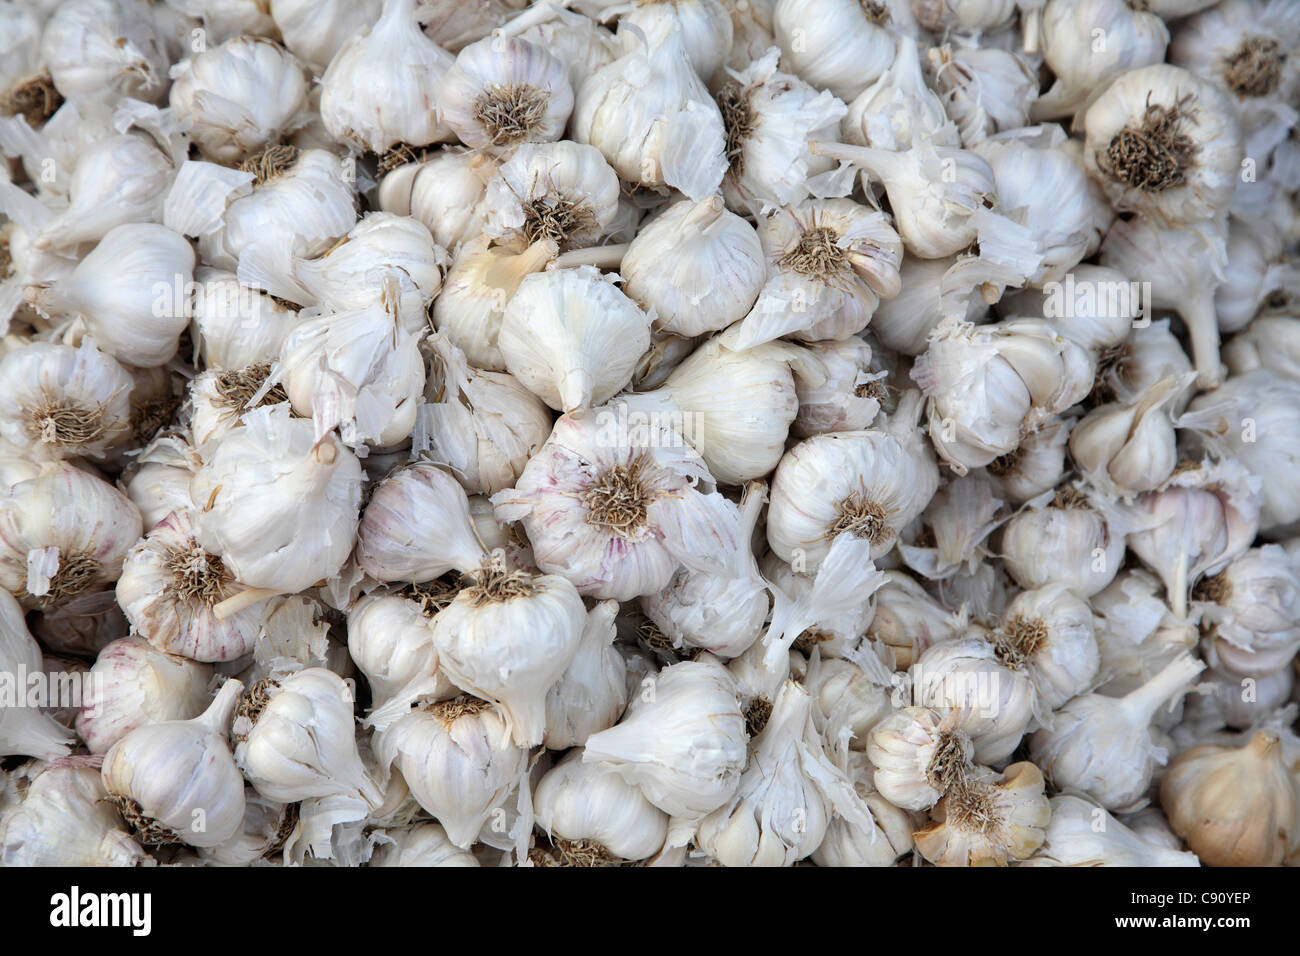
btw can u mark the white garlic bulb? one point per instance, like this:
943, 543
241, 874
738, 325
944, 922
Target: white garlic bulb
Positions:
988, 819
160, 481
106, 49
847, 703
703, 26
592, 692
1072, 539
899, 108
955, 525
422, 844
1036, 465
983, 90
1081, 833
1094, 306
1129, 448
927, 294
444, 192
1049, 632
848, 844
968, 16
1253, 609
917, 755
175, 781
1145, 356
848, 399
235, 326
907, 619
1271, 342
839, 45
24, 729
314, 30
390, 639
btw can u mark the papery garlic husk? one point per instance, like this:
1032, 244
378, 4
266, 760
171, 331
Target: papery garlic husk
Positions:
830, 262
63, 533
169, 587
422, 844
1235, 806
218, 399
1084, 63
1104, 746
277, 505
176, 781
241, 96
695, 266
898, 108
849, 397
1050, 632
1147, 355
378, 90
1252, 419
479, 285
927, 295
1164, 143
983, 90
1271, 342
106, 49
1036, 465
1129, 448
616, 510
907, 619
503, 92
1252, 611
988, 819
918, 756
769, 117
459, 761
1092, 305
653, 120
314, 31
950, 534
870, 484
682, 740
833, 627
1071, 538
592, 693
839, 45
594, 817
703, 26
132, 684
57, 401
444, 191
1081, 833
991, 692
64, 820
509, 637
847, 702
268, 825
295, 738
24, 729
848, 844
236, 326
129, 291
159, 482
571, 337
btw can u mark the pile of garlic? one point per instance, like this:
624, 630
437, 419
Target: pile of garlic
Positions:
669, 433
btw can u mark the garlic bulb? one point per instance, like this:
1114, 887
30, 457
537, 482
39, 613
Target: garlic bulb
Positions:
1271, 342
571, 337
133, 684
1036, 465
1164, 143
592, 814
1093, 305
983, 90
1081, 833
926, 296
459, 761
64, 820
592, 693
63, 402
105, 49
907, 620
278, 506
1072, 539
507, 638
1050, 633
444, 192
847, 704
129, 292
838, 45
315, 30
236, 327
988, 819
690, 254
63, 533
378, 90
390, 639
24, 729
1129, 448
1239, 702
653, 120
848, 399
422, 844
973, 16
295, 739
1104, 746
503, 92
949, 536
1235, 806
682, 740
1252, 611
160, 481
175, 781
1146, 356
918, 756
703, 26
848, 844
898, 108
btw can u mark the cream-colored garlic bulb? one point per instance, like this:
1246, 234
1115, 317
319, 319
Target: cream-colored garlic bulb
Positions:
682, 740
1071, 539
983, 90
64, 820
1253, 611
1129, 448
589, 811
907, 619
235, 326
378, 90
571, 337
592, 692
695, 266
839, 45
132, 684
175, 781
422, 844
315, 31
988, 820
105, 49
1050, 633
899, 108
918, 756
444, 191
1104, 746
278, 506
1235, 806
63, 533
23, 729
1083, 834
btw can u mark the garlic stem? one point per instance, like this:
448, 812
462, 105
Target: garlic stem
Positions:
1030, 40
238, 602
702, 215
533, 16
217, 717
508, 271
1263, 745
1142, 703
1178, 592
883, 165
605, 258
1203, 329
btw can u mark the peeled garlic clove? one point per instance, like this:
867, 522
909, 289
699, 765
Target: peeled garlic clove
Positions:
1083, 834
1235, 806
590, 812
23, 729
838, 45
591, 694
175, 781
133, 684
961, 834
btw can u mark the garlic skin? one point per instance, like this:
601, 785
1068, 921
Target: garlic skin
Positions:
500, 93
1253, 611
1067, 540
234, 326
1257, 268
927, 294
445, 192
1037, 464
1129, 448
175, 781
160, 482
1235, 806
690, 254
1146, 356
832, 44
390, 639
423, 845
57, 401
960, 835
571, 337
239, 97
63, 533
23, 729
458, 760
682, 740
848, 399
1082, 834
803, 612
907, 619
592, 692
847, 703
64, 820
1052, 632
314, 32
956, 523
106, 49
917, 755
1104, 746
703, 26
133, 684
983, 90
126, 290
277, 506
847, 844
1197, 187
578, 802
377, 91
295, 739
